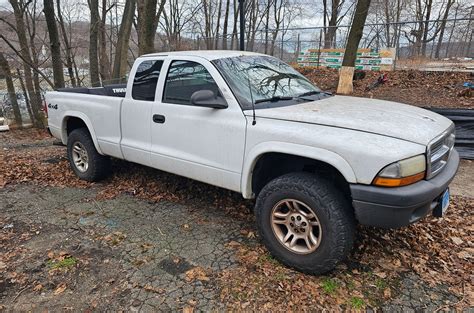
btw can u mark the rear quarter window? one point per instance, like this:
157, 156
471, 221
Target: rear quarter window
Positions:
145, 80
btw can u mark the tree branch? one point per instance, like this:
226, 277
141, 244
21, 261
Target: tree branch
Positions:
27, 62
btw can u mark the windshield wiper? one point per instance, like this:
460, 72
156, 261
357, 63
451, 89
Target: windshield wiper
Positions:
309, 93
273, 99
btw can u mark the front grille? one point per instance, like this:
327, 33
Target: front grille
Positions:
438, 152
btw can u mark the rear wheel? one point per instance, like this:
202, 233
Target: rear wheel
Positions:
305, 222
83, 157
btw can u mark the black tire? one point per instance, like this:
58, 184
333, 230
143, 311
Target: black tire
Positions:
98, 165
335, 214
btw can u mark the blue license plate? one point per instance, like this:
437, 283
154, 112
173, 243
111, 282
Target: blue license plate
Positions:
445, 201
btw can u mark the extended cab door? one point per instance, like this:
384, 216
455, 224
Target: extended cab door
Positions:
201, 143
136, 110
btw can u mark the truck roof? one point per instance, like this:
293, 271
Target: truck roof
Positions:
206, 54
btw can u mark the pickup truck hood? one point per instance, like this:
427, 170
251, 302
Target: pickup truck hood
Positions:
368, 115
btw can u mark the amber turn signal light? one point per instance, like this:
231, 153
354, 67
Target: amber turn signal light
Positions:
398, 182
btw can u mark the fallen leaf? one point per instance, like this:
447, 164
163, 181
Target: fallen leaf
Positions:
196, 273
38, 287
188, 309
458, 241
380, 274
60, 289
150, 288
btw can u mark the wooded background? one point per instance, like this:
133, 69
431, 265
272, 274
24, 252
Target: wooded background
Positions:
49, 44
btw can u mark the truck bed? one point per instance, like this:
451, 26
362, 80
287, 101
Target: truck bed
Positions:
98, 108
114, 90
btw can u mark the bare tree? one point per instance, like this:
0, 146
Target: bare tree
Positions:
121, 51
233, 44
5, 67
18, 10
104, 64
442, 27
147, 22
25, 95
57, 64
425, 32
32, 14
226, 25
268, 7
177, 16
355, 34
93, 43
67, 45
333, 14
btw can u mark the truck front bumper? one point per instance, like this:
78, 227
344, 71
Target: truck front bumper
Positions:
401, 206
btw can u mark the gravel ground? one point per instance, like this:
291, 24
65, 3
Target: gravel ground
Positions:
131, 254
71, 248
134, 255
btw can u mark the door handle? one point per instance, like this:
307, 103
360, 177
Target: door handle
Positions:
157, 118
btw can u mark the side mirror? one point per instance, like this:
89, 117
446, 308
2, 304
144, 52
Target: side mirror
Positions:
208, 99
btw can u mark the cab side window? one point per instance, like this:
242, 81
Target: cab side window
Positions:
184, 78
145, 80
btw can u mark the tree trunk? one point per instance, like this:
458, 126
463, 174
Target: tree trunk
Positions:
25, 95
426, 27
207, 23
145, 23
121, 50
25, 53
93, 43
226, 25
448, 46
330, 32
218, 25
31, 17
5, 67
443, 27
233, 42
56, 61
267, 21
350, 55
67, 47
103, 57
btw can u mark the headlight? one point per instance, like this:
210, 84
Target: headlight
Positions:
402, 173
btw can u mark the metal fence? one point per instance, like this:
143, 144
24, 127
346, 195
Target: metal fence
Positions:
448, 41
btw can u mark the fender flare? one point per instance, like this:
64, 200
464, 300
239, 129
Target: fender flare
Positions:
314, 153
86, 121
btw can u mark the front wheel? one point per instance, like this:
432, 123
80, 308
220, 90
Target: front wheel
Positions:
305, 222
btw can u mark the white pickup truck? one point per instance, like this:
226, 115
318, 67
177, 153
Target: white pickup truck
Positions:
316, 163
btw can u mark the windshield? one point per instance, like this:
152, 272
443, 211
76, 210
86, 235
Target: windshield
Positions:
269, 79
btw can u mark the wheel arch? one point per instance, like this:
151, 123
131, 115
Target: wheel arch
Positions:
75, 120
270, 160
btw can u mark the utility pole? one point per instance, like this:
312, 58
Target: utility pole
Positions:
242, 24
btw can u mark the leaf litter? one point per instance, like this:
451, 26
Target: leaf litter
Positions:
438, 250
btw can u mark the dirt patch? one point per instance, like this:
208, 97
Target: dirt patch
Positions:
463, 183
47, 266
425, 89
